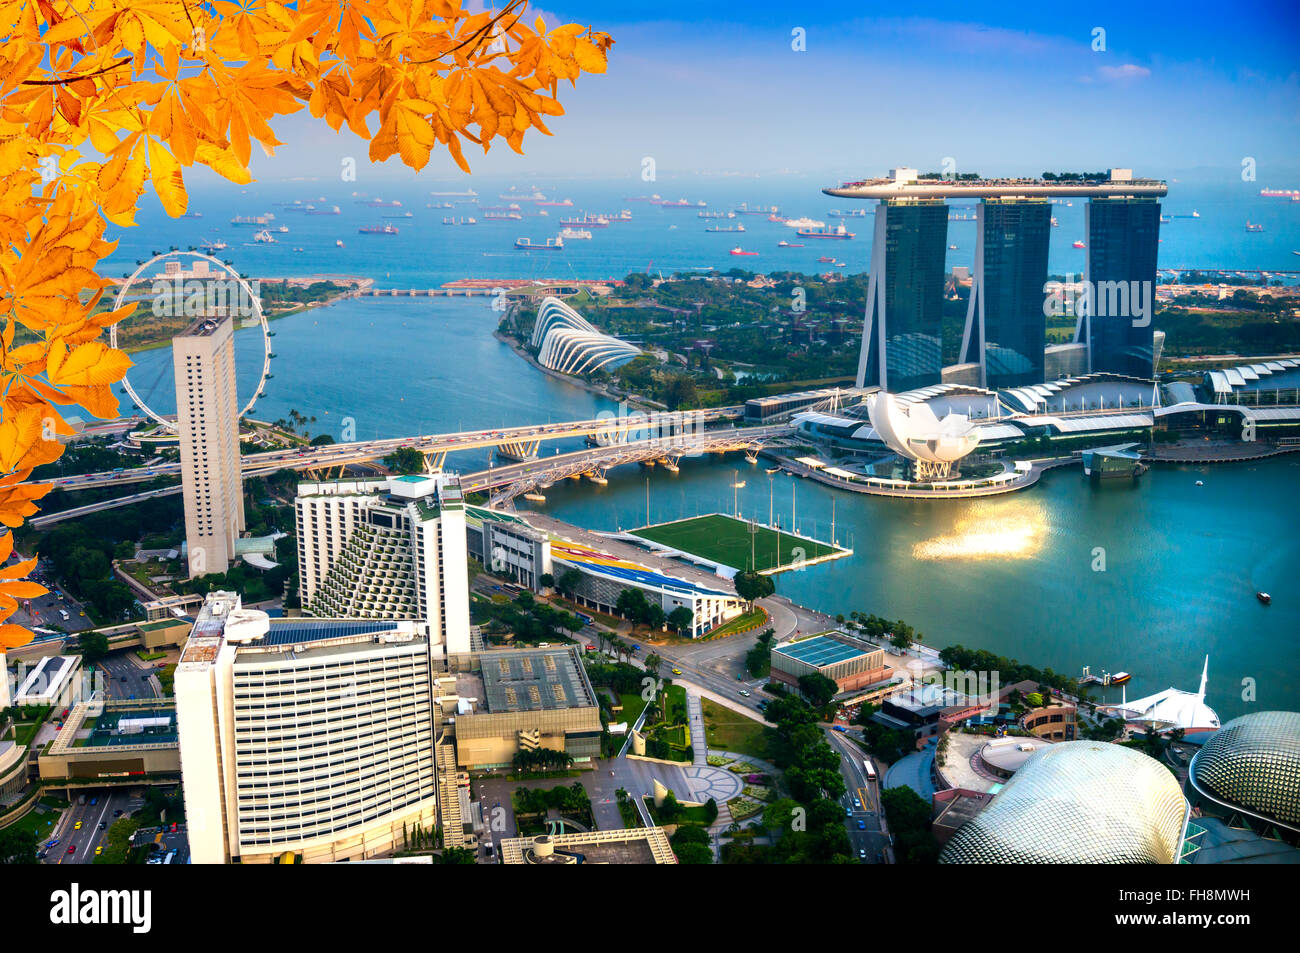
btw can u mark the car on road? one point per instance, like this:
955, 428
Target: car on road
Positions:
99, 850
77, 826
677, 671
862, 853
862, 825
118, 812
848, 812
744, 693
53, 843
72, 848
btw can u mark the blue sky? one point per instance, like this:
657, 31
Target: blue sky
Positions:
1180, 89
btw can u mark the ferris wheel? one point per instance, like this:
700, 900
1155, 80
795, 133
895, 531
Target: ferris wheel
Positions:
254, 312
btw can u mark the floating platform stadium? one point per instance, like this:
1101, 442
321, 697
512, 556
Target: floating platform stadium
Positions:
727, 542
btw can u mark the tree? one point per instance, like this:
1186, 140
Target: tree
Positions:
96, 97
405, 460
752, 586
681, 620
818, 689
18, 845
546, 581
94, 646
569, 581
652, 663
458, 855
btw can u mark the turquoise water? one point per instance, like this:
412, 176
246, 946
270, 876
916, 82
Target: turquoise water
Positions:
1015, 575
427, 253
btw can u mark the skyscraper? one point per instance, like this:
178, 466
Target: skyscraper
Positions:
1005, 324
386, 549
207, 417
1123, 244
902, 332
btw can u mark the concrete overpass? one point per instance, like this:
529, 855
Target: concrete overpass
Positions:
516, 442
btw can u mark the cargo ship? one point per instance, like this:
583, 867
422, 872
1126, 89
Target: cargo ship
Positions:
519, 195
740, 251
513, 207
826, 259
785, 244
378, 230
551, 244
1280, 193
839, 231
641, 198
725, 228
1253, 227
744, 209
587, 221
332, 210
503, 217
468, 193
380, 203
459, 221
264, 237
217, 245
715, 214
1080, 245
563, 203
574, 234
257, 221
862, 213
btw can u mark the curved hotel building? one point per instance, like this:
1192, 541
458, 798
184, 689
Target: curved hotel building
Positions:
1003, 344
570, 344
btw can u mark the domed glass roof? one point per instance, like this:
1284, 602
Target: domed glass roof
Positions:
1253, 762
1080, 802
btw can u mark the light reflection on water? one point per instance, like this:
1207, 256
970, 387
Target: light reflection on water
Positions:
1009, 530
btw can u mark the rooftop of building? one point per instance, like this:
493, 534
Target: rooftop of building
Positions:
905, 183
534, 679
48, 675
645, 845
819, 651
203, 327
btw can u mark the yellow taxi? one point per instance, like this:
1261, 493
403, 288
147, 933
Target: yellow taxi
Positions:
677, 671
99, 850
77, 826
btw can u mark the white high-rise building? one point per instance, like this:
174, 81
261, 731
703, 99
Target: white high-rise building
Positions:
207, 417
389, 548
315, 737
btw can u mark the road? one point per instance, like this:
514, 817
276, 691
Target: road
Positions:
102, 806
861, 802
338, 454
123, 678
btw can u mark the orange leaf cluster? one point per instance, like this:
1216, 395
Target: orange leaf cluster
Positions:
149, 88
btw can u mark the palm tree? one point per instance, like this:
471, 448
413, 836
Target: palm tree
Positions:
652, 663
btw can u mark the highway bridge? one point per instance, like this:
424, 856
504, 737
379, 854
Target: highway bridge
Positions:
518, 443
515, 478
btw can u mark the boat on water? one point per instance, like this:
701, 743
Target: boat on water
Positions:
563, 203
380, 203
1119, 678
740, 251
551, 244
586, 221
400, 215
332, 210
745, 208
772, 469
503, 217
517, 195
1264, 597
459, 221
851, 213
952, 248
785, 244
378, 230
671, 203
264, 237
438, 205
535, 497
825, 259
1280, 193
725, 228
1253, 226
257, 221
837, 232
670, 466
468, 193
213, 246
1055, 223
572, 234
1080, 245
338, 243
716, 214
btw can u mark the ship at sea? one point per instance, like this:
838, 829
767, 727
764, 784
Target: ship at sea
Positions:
459, 221
574, 234
725, 228
217, 245
587, 221
860, 213
257, 221
332, 210
785, 244
715, 214
502, 217
264, 237
551, 244
378, 230
1280, 193
677, 203
740, 251
552, 203
468, 193
838, 231
519, 195
745, 208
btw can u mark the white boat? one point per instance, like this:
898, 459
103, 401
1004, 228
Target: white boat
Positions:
534, 497
264, 237
570, 234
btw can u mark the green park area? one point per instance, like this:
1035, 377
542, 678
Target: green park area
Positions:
727, 540
728, 730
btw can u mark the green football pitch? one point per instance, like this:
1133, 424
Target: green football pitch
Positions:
726, 540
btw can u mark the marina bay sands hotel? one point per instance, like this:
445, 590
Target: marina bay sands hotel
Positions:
1003, 344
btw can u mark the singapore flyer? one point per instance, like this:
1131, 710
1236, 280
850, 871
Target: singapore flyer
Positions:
206, 288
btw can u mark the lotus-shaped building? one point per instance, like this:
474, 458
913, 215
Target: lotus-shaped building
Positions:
912, 430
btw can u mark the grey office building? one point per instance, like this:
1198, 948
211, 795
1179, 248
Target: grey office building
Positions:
902, 334
1123, 243
1005, 324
